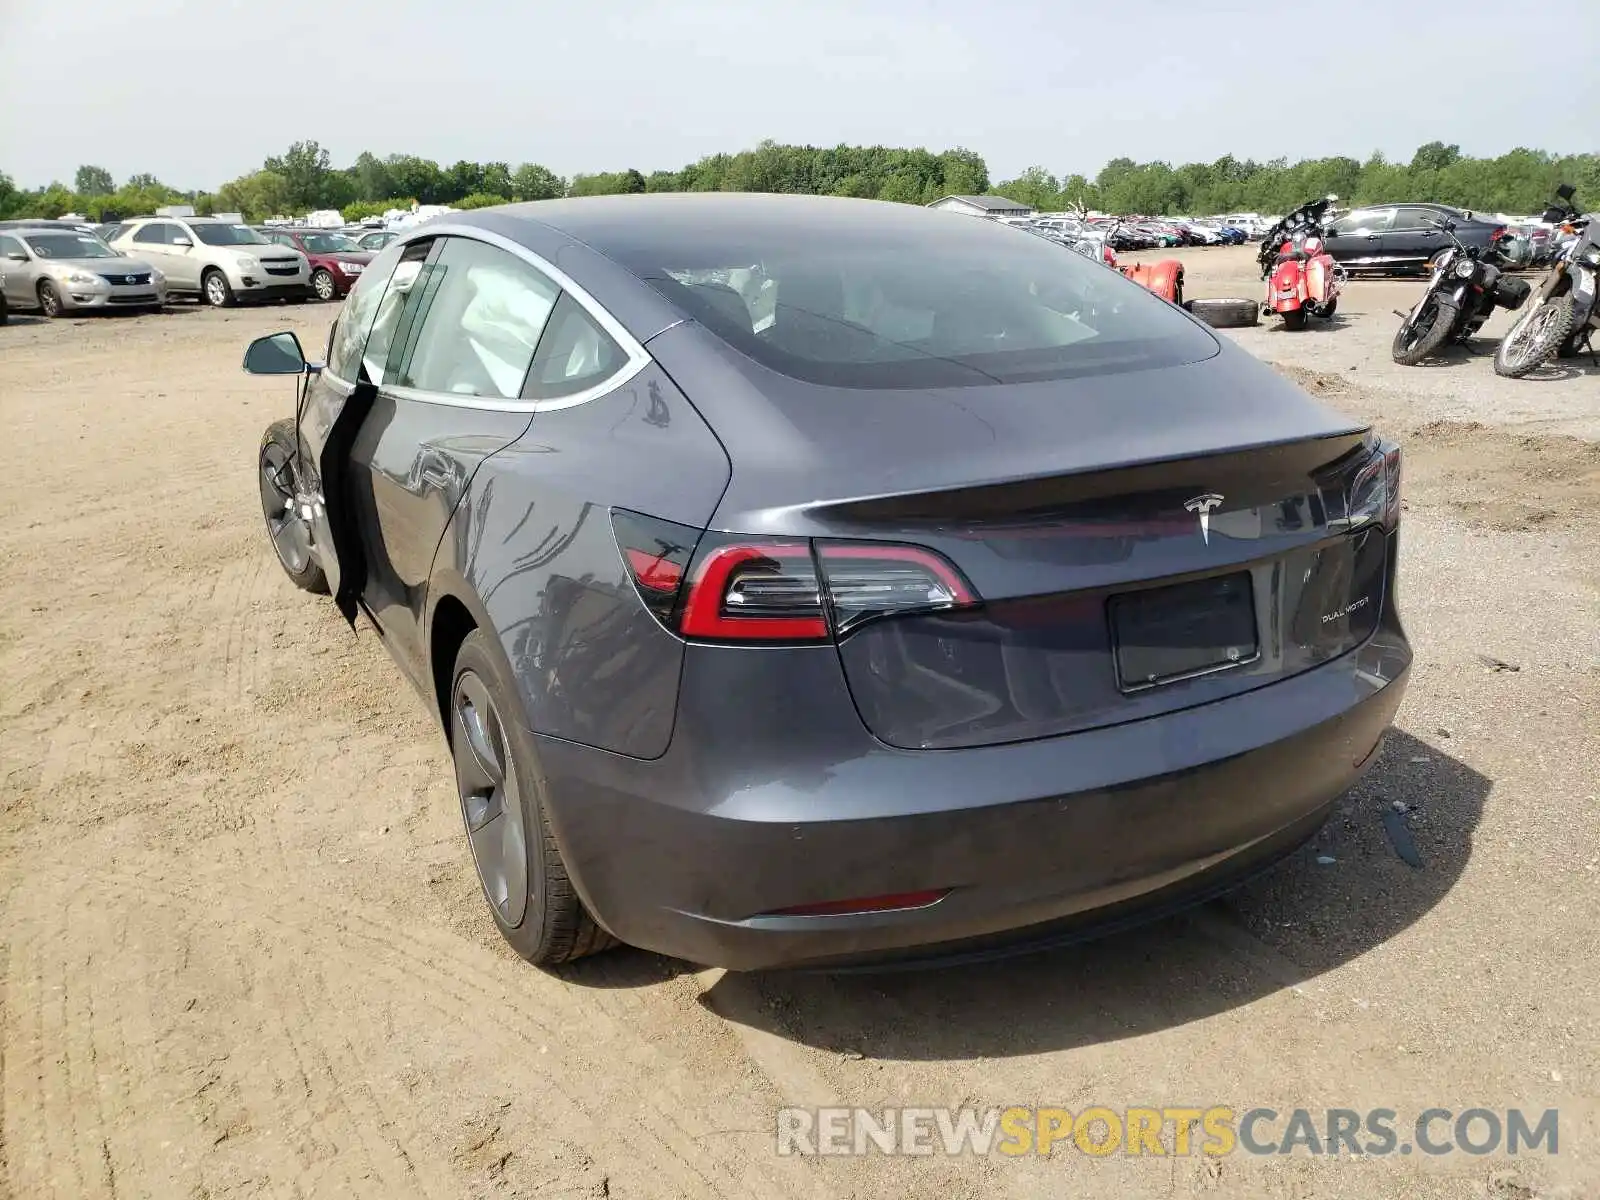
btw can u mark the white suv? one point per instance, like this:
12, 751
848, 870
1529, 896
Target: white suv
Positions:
220, 262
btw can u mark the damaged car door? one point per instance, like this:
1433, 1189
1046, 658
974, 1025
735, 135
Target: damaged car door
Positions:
402, 423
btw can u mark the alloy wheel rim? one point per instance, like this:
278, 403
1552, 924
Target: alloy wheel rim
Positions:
287, 525
49, 301
491, 799
214, 292
324, 284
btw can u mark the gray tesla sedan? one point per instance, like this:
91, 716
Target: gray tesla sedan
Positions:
835, 583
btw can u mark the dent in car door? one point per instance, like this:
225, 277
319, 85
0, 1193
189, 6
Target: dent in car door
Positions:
450, 397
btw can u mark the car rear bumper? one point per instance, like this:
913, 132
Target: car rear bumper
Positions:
691, 854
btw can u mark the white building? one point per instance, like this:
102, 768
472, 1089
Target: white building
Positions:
982, 206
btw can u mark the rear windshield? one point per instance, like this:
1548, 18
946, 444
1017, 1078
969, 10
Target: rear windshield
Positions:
921, 300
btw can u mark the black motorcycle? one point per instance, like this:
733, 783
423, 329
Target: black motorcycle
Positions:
1466, 287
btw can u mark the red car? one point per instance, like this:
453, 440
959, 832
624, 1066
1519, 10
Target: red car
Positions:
336, 260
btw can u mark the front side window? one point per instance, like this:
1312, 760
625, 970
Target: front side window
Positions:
10, 245
348, 346
476, 323
228, 235
906, 301
68, 245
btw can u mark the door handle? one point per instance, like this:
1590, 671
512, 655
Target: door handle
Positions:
1372, 237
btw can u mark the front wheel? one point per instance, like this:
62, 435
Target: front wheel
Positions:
1295, 319
1421, 336
523, 875
322, 284
50, 299
216, 289
1534, 338
287, 507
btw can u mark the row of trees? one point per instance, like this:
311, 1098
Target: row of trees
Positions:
304, 178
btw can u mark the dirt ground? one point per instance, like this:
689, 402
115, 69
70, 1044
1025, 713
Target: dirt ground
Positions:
243, 951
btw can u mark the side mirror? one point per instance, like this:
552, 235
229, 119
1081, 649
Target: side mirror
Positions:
278, 354
181, 242
17, 256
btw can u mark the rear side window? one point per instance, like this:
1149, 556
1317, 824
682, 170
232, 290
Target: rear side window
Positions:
575, 354
916, 300
476, 323
154, 233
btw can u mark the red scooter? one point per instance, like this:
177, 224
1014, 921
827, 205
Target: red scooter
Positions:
1302, 278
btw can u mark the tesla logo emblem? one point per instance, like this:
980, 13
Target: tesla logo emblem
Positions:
1202, 506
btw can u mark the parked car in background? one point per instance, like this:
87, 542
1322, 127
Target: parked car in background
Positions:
1403, 237
220, 262
62, 270
336, 259
377, 239
1052, 610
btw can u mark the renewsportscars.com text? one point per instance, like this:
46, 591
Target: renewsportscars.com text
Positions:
1099, 1131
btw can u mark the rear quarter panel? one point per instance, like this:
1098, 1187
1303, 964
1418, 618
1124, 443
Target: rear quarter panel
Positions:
531, 553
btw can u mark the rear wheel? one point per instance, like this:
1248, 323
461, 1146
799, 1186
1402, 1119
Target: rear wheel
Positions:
1418, 338
1536, 336
50, 299
501, 792
322, 284
215, 288
1295, 319
287, 508
1325, 310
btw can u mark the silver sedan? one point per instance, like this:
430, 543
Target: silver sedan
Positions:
58, 271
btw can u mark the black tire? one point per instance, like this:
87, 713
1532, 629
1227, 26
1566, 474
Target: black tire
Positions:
1295, 319
278, 473
1325, 310
323, 286
1516, 357
1419, 339
215, 289
1226, 314
50, 303
5, 313
500, 787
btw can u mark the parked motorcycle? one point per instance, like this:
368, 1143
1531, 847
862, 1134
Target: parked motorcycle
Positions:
1303, 279
1463, 292
1564, 313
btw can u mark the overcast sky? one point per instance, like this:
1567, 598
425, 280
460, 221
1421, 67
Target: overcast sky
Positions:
200, 91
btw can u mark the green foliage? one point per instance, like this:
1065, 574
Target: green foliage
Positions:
306, 170
530, 181
93, 181
303, 179
481, 200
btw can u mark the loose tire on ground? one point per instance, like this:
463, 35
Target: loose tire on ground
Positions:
288, 531
498, 782
1226, 313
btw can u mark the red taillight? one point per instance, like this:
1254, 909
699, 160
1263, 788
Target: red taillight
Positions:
1498, 234
755, 592
866, 904
726, 588
867, 580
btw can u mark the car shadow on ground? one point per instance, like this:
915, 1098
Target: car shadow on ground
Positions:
1301, 919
